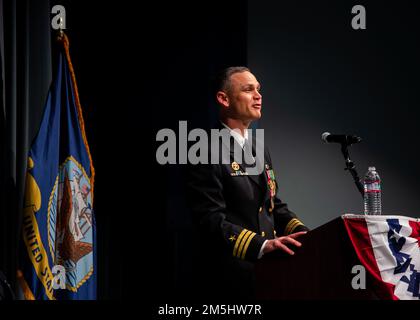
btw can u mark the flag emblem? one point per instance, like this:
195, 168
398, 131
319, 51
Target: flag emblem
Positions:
70, 223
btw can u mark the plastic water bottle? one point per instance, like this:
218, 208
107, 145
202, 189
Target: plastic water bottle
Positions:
372, 192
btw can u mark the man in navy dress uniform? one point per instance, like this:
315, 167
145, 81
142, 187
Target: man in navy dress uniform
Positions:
239, 216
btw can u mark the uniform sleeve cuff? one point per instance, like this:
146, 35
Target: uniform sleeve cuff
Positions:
293, 226
248, 245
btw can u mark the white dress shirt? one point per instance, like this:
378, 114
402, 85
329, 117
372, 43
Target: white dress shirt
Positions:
241, 139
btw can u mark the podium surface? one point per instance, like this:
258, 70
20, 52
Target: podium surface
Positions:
320, 269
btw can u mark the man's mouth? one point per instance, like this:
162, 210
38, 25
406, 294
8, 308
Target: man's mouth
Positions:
257, 106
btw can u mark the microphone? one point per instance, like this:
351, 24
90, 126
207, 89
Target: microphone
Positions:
340, 138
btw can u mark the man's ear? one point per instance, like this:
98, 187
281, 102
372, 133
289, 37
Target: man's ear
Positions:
222, 98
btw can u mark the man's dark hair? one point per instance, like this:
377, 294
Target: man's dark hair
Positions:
222, 81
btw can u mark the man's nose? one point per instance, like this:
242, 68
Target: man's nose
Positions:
257, 95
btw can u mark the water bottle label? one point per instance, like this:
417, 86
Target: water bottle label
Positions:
373, 187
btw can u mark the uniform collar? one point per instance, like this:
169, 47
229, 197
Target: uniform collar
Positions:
237, 136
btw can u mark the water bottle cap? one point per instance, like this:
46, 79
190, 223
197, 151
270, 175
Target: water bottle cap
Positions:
372, 169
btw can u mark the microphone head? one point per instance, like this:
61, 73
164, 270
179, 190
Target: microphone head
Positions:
356, 139
324, 136
343, 139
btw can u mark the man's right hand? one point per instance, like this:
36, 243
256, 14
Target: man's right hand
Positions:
280, 243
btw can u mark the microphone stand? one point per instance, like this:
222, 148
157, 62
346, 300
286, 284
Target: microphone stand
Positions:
350, 166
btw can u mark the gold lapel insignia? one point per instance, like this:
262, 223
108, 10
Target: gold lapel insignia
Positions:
235, 166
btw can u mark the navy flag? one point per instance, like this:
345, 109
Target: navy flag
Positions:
58, 260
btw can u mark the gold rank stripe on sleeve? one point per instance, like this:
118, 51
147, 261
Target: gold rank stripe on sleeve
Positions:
292, 226
238, 241
242, 243
247, 245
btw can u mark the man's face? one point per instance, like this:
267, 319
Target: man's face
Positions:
244, 97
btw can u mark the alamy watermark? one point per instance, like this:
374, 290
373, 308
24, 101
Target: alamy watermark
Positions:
58, 22
215, 147
359, 20
359, 280
59, 277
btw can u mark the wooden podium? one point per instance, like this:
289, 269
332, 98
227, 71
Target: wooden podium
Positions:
320, 269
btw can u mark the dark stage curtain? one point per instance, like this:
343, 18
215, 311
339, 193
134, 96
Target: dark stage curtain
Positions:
26, 76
